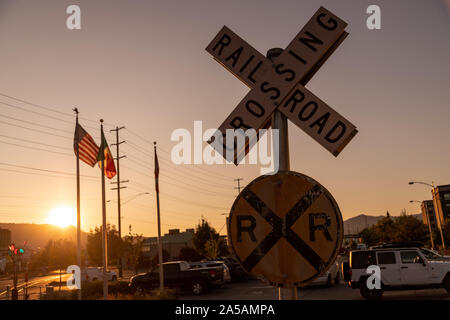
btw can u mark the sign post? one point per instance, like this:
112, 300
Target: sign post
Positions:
284, 228
279, 122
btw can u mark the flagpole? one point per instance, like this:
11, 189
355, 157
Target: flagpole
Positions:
104, 231
78, 205
160, 257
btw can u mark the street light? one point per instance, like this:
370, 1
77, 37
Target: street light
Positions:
436, 209
120, 218
135, 196
429, 223
132, 198
427, 184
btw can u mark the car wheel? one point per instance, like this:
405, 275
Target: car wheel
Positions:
369, 294
336, 280
329, 282
447, 283
139, 289
197, 287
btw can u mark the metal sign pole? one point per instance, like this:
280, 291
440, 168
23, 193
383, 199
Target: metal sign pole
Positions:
279, 122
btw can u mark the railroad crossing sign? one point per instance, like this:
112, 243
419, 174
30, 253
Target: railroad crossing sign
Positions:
285, 228
280, 84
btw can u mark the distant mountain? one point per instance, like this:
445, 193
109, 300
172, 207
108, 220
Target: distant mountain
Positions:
37, 235
362, 221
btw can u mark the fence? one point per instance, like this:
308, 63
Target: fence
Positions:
28, 292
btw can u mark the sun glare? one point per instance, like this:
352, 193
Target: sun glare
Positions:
62, 217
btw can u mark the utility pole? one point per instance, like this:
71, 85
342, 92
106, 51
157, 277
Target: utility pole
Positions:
239, 185
118, 182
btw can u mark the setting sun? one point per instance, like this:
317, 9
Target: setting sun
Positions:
62, 217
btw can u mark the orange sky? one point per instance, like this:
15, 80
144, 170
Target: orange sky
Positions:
142, 64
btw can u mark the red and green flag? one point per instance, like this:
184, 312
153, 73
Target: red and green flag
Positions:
104, 154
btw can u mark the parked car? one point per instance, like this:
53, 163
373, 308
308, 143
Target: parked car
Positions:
207, 264
179, 274
236, 271
330, 277
402, 266
361, 246
94, 273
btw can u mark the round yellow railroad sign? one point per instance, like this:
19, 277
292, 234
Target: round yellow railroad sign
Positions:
285, 228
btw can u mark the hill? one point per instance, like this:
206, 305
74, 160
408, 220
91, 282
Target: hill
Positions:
362, 221
37, 235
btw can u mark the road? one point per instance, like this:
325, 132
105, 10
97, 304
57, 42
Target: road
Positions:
34, 283
256, 290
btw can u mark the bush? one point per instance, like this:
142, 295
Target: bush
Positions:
117, 290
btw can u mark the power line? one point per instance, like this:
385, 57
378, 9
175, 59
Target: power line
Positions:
180, 199
35, 124
196, 188
189, 176
35, 130
35, 112
164, 173
50, 109
44, 170
45, 198
36, 105
170, 164
35, 142
42, 174
196, 166
34, 148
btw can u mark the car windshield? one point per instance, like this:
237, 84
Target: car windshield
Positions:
429, 254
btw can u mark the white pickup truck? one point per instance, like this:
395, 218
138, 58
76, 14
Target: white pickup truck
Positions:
94, 273
402, 267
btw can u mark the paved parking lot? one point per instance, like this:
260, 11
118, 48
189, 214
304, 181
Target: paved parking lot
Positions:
256, 290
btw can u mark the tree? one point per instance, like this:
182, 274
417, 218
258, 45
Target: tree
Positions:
189, 254
131, 249
398, 229
165, 254
57, 254
204, 234
369, 236
408, 228
94, 245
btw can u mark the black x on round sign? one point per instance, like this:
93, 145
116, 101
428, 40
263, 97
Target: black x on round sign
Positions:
285, 228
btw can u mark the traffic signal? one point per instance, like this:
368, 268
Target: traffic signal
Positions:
13, 251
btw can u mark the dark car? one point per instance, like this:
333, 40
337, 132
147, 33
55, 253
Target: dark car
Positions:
180, 275
236, 271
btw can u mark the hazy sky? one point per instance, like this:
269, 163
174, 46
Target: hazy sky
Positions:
143, 64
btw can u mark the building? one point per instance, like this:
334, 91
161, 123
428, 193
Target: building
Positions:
428, 214
5, 241
441, 195
172, 242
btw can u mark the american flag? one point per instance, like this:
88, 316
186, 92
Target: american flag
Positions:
88, 149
